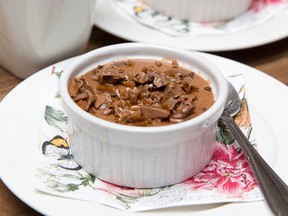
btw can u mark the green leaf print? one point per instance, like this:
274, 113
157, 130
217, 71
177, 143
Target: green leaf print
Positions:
224, 135
57, 95
90, 178
55, 118
58, 74
72, 187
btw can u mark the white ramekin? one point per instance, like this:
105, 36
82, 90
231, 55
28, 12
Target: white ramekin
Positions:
142, 157
200, 10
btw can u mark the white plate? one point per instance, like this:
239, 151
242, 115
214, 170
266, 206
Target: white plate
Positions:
115, 21
20, 123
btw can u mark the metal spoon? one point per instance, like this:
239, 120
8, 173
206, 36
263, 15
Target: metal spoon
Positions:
274, 190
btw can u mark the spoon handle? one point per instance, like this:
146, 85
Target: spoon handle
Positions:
274, 190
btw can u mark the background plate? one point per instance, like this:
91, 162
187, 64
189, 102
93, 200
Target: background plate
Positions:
115, 21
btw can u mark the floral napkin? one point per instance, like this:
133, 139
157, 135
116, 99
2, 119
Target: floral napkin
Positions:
227, 178
259, 12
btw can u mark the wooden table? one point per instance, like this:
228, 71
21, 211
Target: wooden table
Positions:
271, 59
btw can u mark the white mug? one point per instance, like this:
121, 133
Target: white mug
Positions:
37, 33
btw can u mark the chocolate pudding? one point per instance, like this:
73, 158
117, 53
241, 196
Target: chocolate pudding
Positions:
142, 92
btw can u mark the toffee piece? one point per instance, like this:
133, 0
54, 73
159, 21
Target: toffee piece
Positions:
142, 92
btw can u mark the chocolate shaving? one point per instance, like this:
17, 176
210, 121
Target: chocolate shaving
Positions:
111, 74
208, 88
159, 80
81, 96
152, 112
141, 78
75, 86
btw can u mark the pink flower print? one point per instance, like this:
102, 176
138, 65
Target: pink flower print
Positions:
228, 172
53, 70
257, 5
